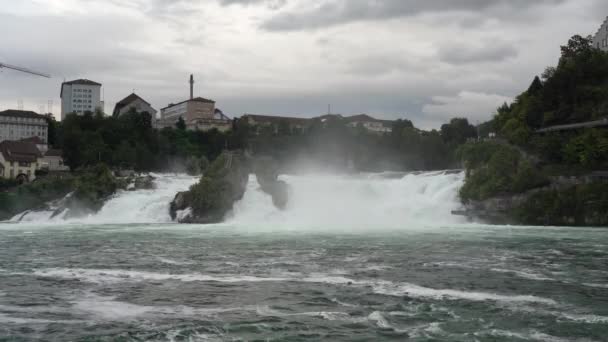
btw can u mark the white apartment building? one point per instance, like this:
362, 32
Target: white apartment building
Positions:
21, 124
600, 40
80, 96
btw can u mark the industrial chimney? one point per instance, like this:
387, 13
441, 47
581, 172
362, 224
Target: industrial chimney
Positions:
191, 86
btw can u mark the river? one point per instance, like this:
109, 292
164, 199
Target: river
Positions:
353, 258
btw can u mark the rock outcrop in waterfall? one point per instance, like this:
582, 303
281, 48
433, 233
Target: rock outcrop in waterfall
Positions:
224, 183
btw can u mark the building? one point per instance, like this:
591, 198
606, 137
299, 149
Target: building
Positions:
19, 160
20, 124
292, 124
600, 40
219, 121
80, 96
372, 125
41, 145
197, 112
133, 102
53, 161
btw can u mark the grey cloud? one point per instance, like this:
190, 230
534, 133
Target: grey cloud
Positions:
464, 53
273, 4
334, 12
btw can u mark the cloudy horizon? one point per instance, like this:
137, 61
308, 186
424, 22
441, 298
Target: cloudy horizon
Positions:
426, 61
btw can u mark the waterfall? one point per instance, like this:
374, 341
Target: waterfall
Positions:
357, 200
139, 206
366, 200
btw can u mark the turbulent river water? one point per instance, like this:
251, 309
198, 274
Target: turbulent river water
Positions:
353, 258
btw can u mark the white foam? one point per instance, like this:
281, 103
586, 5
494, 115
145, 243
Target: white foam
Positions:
120, 276
523, 274
404, 289
174, 262
601, 286
355, 201
378, 286
381, 322
107, 308
140, 206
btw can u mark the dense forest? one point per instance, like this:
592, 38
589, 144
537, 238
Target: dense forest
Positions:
130, 141
549, 177
574, 91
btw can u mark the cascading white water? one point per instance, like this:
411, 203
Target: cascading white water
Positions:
139, 206
365, 200
144, 206
361, 200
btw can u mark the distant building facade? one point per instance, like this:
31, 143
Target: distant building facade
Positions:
19, 160
277, 123
52, 160
133, 102
294, 124
80, 96
198, 113
370, 124
600, 40
20, 124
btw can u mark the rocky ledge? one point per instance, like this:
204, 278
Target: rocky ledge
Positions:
224, 183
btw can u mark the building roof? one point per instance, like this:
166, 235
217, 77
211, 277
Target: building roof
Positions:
21, 114
127, 101
196, 99
82, 81
36, 140
220, 115
53, 153
271, 118
19, 151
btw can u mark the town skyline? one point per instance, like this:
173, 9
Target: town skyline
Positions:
456, 60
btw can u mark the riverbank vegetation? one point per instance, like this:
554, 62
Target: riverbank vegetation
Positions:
330, 143
129, 141
526, 161
89, 187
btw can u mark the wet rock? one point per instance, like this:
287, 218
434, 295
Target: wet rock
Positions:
223, 183
267, 172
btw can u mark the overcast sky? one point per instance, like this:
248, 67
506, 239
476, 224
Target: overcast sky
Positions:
425, 60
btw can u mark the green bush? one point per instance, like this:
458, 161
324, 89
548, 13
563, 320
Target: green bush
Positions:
580, 205
494, 169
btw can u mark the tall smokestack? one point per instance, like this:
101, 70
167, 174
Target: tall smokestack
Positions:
191, 86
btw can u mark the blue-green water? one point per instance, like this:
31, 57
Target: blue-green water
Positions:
258, 283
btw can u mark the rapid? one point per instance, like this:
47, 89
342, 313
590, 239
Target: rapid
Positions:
353, 257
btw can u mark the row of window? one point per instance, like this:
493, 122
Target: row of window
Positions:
83, 91
81, 101
82, 96
17, 119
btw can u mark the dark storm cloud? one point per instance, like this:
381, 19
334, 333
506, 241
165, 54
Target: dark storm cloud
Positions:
464, 52
334, 12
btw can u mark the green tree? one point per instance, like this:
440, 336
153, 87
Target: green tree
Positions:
181, 124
